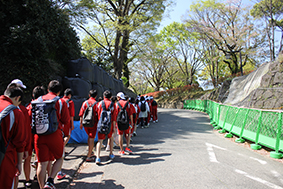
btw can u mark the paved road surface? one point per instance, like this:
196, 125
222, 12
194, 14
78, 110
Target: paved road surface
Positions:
181, 151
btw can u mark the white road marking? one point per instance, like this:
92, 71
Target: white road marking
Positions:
260, 161
271, 185
212, 156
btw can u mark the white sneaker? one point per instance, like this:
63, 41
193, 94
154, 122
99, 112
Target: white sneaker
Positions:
153, 122
156, 121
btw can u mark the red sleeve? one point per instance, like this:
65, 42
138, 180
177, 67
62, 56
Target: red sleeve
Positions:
64, 117
72, 108
114, 113
129, 110
82, 110
27, 127
18, 137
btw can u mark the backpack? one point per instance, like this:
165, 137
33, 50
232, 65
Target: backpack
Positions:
44, 117
104, 123
154, 103
3, 114
123, 118
143, 106
88, 118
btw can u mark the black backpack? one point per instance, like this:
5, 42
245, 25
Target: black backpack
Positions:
143, 106
44, 117
104, 123
3, 114
154, 103
88, 118
123, 118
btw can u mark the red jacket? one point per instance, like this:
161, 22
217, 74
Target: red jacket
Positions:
70, 105
27, 122
17, 134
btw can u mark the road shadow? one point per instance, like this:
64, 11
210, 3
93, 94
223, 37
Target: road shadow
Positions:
105, 184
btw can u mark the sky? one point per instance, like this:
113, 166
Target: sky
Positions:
176, 13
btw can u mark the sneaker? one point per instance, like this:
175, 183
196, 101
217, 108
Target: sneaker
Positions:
128, 150
111, 156
49, 185
121, 152
61, 175
97, 161
147, 126
28, 184
134, 133
153, 122
89, 159
156, 121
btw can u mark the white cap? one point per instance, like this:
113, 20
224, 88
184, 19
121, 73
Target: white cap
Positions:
19, 82
121, 95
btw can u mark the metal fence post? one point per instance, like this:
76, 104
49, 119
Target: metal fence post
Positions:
275, 154
256, 146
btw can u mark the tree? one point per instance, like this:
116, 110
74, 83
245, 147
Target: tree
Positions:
228, 27
97, 55
185, 50
271, 11
122, 24
37, 42
154, 64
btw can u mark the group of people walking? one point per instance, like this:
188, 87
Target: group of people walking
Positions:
45, 126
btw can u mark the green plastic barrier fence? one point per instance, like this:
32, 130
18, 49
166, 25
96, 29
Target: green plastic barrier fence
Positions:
262, 127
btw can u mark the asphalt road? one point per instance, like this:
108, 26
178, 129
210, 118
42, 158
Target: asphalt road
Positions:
180, 151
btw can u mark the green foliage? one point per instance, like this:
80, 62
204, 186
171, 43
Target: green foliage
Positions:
36, 42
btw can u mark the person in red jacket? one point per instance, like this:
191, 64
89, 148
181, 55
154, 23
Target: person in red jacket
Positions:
51, 146
36, 92
154, 111
123, 102
91, 131
67, 128
27, 122
138, 110
13, 131
107, 95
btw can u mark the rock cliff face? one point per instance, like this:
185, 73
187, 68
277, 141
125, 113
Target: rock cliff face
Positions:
262, 89
269, 95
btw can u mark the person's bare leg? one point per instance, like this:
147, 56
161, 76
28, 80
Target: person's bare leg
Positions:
27, 168
111, 140
90, 146
128, 137
49, 168
98, 148
57, 165
121, 142
41, 172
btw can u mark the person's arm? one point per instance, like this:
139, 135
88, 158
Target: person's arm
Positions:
19, 164
72, 123
132, 120
81, 123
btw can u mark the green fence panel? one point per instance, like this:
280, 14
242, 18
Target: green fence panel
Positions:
239, 122
268, 130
